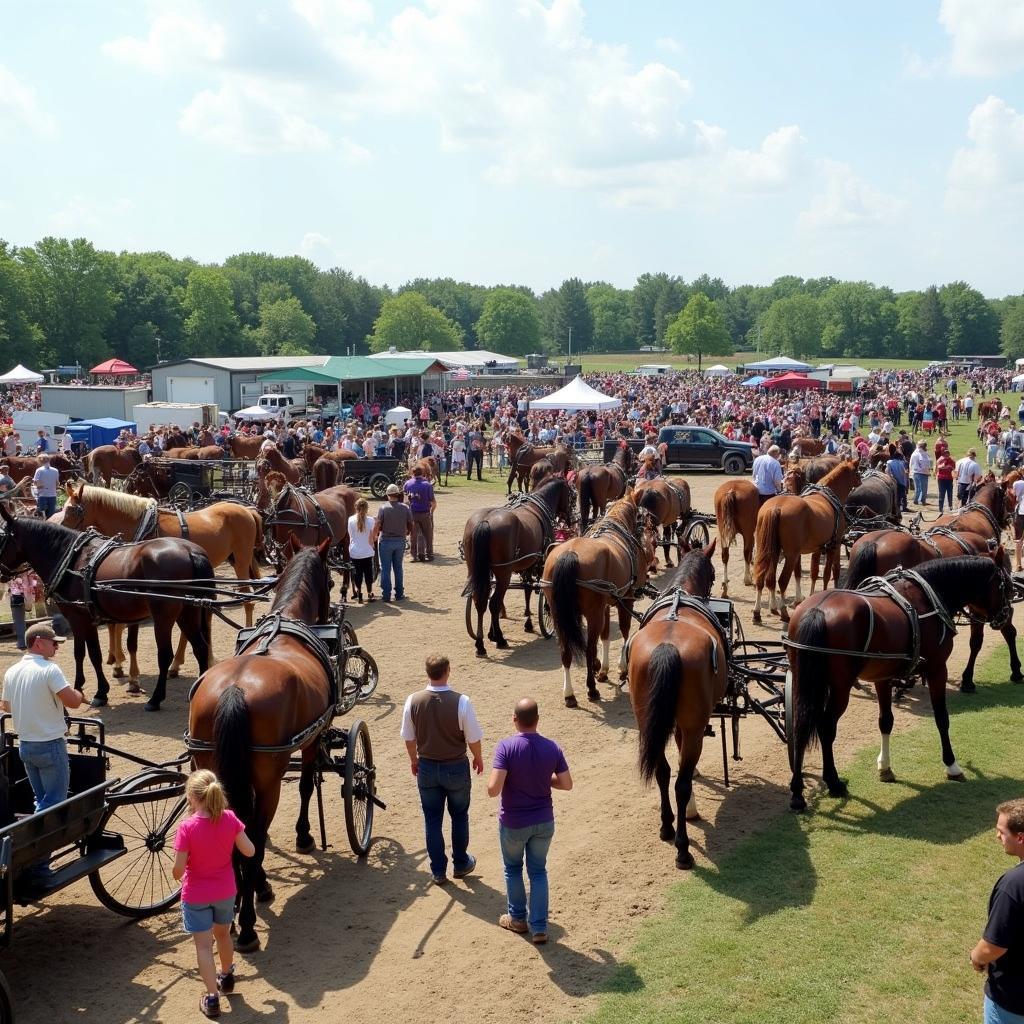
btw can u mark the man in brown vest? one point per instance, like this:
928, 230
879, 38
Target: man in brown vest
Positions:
438, 723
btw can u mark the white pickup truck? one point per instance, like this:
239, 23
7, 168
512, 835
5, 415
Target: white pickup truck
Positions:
270, 407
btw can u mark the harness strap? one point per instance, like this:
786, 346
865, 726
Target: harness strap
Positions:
837, 507
149, 523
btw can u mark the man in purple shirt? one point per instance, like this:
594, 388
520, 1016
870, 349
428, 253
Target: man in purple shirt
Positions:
526, 768
422, 504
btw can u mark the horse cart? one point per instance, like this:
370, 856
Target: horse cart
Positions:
195, 483
373, 474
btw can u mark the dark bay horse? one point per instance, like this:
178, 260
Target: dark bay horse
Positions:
312, 452
61, 558
667, 502
598, 485
882, 643
265, 700
790, 525
498, 542
584, 576
272, 461
678, 672
522, 454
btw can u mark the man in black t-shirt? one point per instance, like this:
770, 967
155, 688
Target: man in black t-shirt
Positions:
1001, 947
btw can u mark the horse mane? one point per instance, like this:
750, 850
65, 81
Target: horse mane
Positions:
623, 511
696, 569
117, 501
845, 466
947, 574
298, 576
41, 535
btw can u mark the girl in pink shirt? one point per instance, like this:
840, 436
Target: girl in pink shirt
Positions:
204, 846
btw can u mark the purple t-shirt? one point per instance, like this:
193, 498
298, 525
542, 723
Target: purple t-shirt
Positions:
421, 493
530, 760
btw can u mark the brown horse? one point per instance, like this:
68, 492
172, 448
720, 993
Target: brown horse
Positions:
225, 530
430, 466
243, 447
598, 485
989, 410
246, 712
540, 471
678, 673
522, 455
736, 505
326, 473
883, 643
584, 576
790, 525
273, 461
668, 504
312, 452
194, 453
501, 541
74, 567
805, 447
22, 466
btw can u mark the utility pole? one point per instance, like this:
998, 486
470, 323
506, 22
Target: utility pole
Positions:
570, 344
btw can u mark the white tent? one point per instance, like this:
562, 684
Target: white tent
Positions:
718, 370
850, 373
1019, 363
777, 363
577, 394
21, 375
1019, 379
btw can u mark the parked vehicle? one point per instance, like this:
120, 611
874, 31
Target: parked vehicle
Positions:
693, 447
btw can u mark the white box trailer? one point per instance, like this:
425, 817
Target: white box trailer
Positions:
180, 414
191, 390
95, 402
28, 424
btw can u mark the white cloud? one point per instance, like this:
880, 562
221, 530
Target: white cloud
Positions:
317, 247
251, 117
916, 66
994, 158
352, 153
848, 201
20, 111
987, 35
668, 45
85, 215
174, 41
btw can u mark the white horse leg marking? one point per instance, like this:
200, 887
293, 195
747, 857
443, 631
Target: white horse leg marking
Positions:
606, 644
954, 771
757, 604
567, 690
883, 754
691, 813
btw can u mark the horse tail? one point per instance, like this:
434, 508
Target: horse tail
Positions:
766, 543
664, 679
810, 678
863, 563
480, 569
257, 518
232, 746
202, 579
565, 604
727, 518
586, 499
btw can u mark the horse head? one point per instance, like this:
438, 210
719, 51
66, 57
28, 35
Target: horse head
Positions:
12, 557
74, 508
998, 607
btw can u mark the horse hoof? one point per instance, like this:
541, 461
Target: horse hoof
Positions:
668, 564
247, 945
501, 644
693, 817
757, 618
151, 705
684, 861
570, 702
481, 653
602, 676
528, 628
118, 672
172, 673
725, 591
1017, 678
959, 777
305, 844
798, 804
98, 702
266, 895
667, 834
134, 689
593, 696
967, 686
839, 790
886, 775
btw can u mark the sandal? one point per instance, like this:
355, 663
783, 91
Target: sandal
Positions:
512, 924
210, 1006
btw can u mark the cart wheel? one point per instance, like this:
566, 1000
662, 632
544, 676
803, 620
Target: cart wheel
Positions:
698, 534
359, 787
180, 495
543, 614
348, 635
379, 485
143, 813
790, 722
361, 672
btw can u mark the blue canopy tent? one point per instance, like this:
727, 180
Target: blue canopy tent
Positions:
753, 382
99, 431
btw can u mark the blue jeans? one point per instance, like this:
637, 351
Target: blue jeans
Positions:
532, 842
995, 1014
945, 493
48, 506
440, 783
48, 770
391, 551
920, 487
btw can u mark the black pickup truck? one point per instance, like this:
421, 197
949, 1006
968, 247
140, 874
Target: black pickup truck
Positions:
692, 447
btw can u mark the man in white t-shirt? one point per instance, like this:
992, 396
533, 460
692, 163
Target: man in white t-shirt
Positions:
36, 693
968, 476
46, 480
1018, 521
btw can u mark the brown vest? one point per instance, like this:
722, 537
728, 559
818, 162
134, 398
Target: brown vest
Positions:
435, 718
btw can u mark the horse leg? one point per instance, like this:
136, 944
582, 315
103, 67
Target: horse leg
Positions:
568, 695
783, 582
748, 557
133, 660
827, 728
688, 758
179, 657
798, 573
666, 544
663, 773
115, 652
528, 625
511, 477
248, 941
725, 570
193, 625
497, 599
977, 638
163, 624
937, 679
885, 720
625, 621
1010, 636
92, 645
304, 841
602, 665
815, 565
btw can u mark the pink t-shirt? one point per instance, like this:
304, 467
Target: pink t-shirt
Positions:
209, 876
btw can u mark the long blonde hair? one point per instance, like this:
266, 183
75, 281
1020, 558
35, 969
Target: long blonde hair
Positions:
362, 507
204, 787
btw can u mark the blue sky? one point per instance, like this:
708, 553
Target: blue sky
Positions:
526, 140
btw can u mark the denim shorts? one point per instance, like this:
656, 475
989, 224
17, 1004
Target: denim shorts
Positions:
201, 917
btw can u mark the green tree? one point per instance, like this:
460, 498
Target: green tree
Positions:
1011, 333
149, 318
858, 320
71, 289
211, 326
699, 330
347, 307
571, 312
611, 311
20, 338
285, 328
973, 327
460, 301
408, 322
792, 326
657, 298
250, 272
509, 323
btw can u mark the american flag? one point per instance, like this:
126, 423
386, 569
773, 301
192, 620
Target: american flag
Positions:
461, 374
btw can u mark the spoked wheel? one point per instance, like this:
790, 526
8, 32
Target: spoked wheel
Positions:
180, 495
543, 614
359, 788
361, 673
697, 534
144, 814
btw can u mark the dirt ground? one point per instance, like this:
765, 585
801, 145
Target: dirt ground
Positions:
365, 941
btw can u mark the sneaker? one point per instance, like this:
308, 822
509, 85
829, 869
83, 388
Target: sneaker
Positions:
467, 870
226, 982
512, 924
540, 938
439, 879
210, 1006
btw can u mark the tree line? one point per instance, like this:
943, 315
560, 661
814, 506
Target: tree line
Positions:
64, 302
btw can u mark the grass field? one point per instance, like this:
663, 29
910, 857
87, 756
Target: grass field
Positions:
861, 912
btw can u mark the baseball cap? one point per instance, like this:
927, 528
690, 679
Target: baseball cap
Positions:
393, 490
41, 629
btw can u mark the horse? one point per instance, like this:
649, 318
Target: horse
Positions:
326, 473
790, 525
875, 497
736, 505
678, 672
990, 409
804, 447
898, 629
21, 466
668, 504
242, 447
246, 712
73, 565
598, 485
585, 575
431, 467
225, 530
272, 461
522, 454
514, 539
540, 471
311, 453
986, 513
